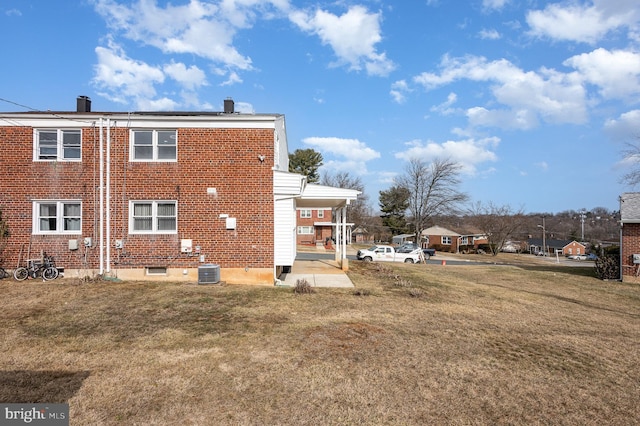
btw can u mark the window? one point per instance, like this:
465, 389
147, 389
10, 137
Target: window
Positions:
154, 145
305, 213
57, 145
153, 217
320, 214
446, 240
57, 217
305, 230
464, 241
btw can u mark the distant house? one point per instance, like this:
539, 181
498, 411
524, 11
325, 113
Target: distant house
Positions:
553, 246
444, 239
630, 236
361, 235
574, 247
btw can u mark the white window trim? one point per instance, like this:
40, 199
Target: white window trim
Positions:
59, 145
35, 224
310, 230
320, 214
306, 214
154, 146
154, 217
446, 243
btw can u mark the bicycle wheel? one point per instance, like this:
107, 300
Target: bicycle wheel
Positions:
3, 273
21, 273
50, 273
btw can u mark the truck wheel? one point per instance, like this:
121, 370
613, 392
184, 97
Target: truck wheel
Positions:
408, 260
427, 256
367, 259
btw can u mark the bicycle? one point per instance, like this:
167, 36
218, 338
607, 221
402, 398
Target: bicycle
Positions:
3, 273
45, 269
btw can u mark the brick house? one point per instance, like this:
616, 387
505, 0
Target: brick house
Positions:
314, 226
153, 195
443, 239
574, 248
630, 236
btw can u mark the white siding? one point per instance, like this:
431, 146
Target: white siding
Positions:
284, 232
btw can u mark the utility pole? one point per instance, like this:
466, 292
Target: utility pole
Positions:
544, 237
583, 215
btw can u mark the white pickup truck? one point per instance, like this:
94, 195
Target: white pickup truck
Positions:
388, 254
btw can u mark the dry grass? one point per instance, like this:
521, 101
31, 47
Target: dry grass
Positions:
427, 345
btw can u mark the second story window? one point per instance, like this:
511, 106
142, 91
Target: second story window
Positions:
305, 213
154, 145
57, 145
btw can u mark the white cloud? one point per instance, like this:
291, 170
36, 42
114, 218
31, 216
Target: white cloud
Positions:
353, 37
124, 77
188, 77
197, 28
528, 96
625, 128
491, 34
581, 22
616, 73
494, 4
445, 107
469, 153
351, 149
398, 91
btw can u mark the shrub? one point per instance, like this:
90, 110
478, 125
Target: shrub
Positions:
608, 267
303, 287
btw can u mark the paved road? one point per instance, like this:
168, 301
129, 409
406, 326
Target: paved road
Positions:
331, 256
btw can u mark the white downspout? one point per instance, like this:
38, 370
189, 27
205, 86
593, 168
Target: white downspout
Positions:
101, 231
344, 233
108, 209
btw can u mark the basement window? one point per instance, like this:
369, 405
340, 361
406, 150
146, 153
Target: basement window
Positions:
156, 270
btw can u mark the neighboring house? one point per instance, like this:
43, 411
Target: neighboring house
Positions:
444, 239
314, 226
553, 246
361, 235
630, 236
573, 248
156, 195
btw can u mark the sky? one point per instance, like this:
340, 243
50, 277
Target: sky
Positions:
536, 100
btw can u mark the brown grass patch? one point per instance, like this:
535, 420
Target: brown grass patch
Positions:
524, 344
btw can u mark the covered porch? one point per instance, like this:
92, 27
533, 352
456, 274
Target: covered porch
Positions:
337, 199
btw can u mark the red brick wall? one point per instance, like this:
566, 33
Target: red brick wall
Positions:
630, 245
225, 159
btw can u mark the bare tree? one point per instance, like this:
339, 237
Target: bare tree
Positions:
498, 223
632, 155
359, 212
433, 190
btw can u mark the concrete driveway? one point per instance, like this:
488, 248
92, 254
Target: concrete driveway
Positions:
318, 273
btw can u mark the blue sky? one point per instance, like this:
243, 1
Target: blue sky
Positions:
537, 100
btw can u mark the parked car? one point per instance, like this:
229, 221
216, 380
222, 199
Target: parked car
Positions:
428, 252
382, 253
407, 248
592, 256
577, 257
